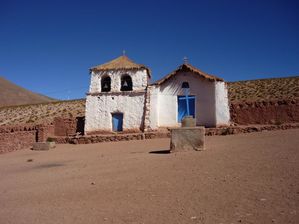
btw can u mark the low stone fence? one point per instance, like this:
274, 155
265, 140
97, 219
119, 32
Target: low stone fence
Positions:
19, 137
265, 112
24, 136
231, 130
11, 141
110, 138
166, 134
68, 126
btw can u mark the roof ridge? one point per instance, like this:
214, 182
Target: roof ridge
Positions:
122, 62
192, 69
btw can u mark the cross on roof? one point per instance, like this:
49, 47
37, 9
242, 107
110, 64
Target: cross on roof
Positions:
185, 59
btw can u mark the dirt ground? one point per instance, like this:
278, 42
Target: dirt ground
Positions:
246, 178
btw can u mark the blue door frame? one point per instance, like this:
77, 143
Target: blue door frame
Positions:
117, 121
182, 107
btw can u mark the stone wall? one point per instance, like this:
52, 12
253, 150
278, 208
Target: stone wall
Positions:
64, 126
265, 112
232, 130
68, 126
23, 136
44, 131
16, 140
87, 139
19, 137
164, 133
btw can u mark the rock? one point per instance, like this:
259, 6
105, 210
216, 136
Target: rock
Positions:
187, 138
43, 146
188, 121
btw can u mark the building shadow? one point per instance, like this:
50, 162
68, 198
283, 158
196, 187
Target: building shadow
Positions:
164, 151
49, 165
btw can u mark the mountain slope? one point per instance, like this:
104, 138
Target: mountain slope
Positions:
12, 94
264, 89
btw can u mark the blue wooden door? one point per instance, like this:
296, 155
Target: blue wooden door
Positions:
117, 122
182, 107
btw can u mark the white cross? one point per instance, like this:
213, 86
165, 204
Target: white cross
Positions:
185, 60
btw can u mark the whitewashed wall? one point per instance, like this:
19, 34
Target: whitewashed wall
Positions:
211, 105
154, 97
100, 106
139, 79
99, 111
204, 91
222, 105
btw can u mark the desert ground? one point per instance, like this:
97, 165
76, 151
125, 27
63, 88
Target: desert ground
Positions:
245, 178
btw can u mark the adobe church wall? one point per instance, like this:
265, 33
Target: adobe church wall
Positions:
139, 80
99, 111
153, 107
265, 112
203, 89
100, 106
222, 106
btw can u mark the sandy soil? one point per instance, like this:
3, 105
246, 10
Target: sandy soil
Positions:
252, 178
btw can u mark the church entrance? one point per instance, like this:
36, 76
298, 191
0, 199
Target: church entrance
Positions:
117, 121
186, 104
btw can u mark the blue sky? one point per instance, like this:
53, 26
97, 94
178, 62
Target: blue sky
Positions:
48, 46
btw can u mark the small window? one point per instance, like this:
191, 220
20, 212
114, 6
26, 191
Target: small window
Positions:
106, 84
126, 83
185, 85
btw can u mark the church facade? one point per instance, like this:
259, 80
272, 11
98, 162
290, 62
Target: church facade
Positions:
121, 99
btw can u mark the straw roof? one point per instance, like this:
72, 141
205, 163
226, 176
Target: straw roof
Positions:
189, 68
120, 63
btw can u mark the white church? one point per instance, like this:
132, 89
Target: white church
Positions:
121, 98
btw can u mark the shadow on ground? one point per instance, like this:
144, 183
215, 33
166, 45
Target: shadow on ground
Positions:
49, 165
164, 151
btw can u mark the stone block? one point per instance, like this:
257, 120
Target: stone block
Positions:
42, 146
187, 138
188, 121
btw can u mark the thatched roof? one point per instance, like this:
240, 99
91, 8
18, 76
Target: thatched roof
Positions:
120, 63
188, 68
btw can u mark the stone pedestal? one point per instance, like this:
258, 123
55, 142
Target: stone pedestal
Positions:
187, 138
42, 146
188, 121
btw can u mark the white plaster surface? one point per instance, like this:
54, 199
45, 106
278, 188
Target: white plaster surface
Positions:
99, 111
153, 118
204, 91
211, 104
222, 107
99, 108
139, 79
94, 83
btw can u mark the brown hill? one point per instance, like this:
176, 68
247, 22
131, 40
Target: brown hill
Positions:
264, 89
12, 94
41, 113
252, 90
